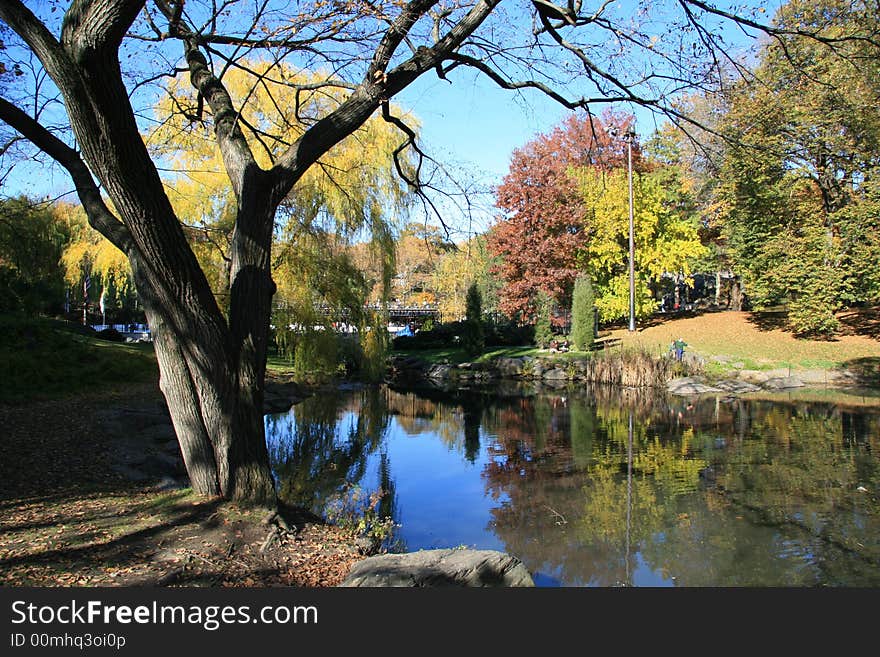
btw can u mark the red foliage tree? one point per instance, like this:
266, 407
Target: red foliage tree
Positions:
543, 228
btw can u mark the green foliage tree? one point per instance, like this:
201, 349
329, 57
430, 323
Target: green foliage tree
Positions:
543, 326
803, 148
859, 224
582, 313
473, 338
469, 261
32, 240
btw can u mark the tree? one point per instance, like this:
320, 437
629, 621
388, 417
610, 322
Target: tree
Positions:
419, 249
32, 240
542, 232
473, 338
582, 313
469, 261
94, 267
665, 235
801, 151
336, 202
103, 58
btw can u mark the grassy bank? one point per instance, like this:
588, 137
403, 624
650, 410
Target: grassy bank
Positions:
728, 341
742, 340
50, 359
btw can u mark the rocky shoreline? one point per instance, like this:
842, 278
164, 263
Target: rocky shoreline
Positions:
657, 373
746, 381
628, 369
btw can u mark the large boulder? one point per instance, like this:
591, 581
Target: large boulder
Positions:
783, 383
440, 568
510, 366
557, 374
691, 385
736, 386
440, 371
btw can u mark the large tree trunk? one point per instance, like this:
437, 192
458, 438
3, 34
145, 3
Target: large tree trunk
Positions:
216, 412
211, 367
736, 293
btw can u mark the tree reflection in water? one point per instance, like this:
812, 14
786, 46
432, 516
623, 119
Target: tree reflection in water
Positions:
602, 486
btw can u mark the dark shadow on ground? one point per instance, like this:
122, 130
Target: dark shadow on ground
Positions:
863, 371
768, 320
123, 548
861, 321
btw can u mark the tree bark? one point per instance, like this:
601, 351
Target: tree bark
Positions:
736, 293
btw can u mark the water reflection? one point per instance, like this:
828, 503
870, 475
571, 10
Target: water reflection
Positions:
605, 487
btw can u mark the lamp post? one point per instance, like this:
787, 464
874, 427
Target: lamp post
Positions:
629, 136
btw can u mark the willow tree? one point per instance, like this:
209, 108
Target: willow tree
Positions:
102, 58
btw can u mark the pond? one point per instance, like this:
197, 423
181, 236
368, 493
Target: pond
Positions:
597, 486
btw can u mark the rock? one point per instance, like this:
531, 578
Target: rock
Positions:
817, 376
273, 405
440, 568
754, 376
783, 383
278, 397
690, 385
438, 372
556, 374
509, 366
736, 386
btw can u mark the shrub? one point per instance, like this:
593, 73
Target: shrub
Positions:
582, 321
472, 337
813, 316
543, 328
315, 353
509, 334
442, 335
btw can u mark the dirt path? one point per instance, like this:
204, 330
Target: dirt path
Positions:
70, 517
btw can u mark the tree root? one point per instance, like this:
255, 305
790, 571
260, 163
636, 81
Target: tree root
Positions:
279, 527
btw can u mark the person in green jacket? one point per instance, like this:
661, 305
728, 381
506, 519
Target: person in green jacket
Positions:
678, 347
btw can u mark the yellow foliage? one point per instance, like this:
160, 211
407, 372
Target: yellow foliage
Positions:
665, 240
88, 251
353, 183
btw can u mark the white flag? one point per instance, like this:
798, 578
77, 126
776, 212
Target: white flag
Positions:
103, 292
